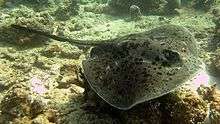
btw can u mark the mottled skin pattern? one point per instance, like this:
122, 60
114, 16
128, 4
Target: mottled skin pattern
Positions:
140, 67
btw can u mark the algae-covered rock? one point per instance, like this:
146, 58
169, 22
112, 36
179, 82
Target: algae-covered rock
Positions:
214, 62
204, 4
212, 95
93, 1
62, 50
67, 9
41, 119
60, 9
18, 104
135, 12
36, 4
26, 17
217, 23
215, 107
172, 5
68, 76
146, 6
184, 106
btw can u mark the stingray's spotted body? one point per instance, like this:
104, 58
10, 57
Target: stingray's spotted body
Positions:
140, 67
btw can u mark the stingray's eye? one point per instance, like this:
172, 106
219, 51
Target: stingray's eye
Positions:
170, 57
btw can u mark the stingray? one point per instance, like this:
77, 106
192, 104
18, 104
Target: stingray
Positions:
139, 67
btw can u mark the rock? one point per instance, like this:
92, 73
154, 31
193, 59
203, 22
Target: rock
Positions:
135, 12
18, 105
25, 17
24, 120
217, 27
37, 107
36, 4
98, 8
51, 115
215, 107
52, 50
149, 6
172, 5
206, 92
183, 106
67, 9
80, 116
62, 50
69, 75
216, 12
76, 89
41, 119
3, 86
212, 95
214, 65
2, 3
70, 51
203, 4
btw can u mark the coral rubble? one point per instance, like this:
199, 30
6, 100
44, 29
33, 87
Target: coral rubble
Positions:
41, 80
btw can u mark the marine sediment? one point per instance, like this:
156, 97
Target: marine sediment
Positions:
47, 76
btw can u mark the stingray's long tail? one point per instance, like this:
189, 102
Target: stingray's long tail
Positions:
55, 37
